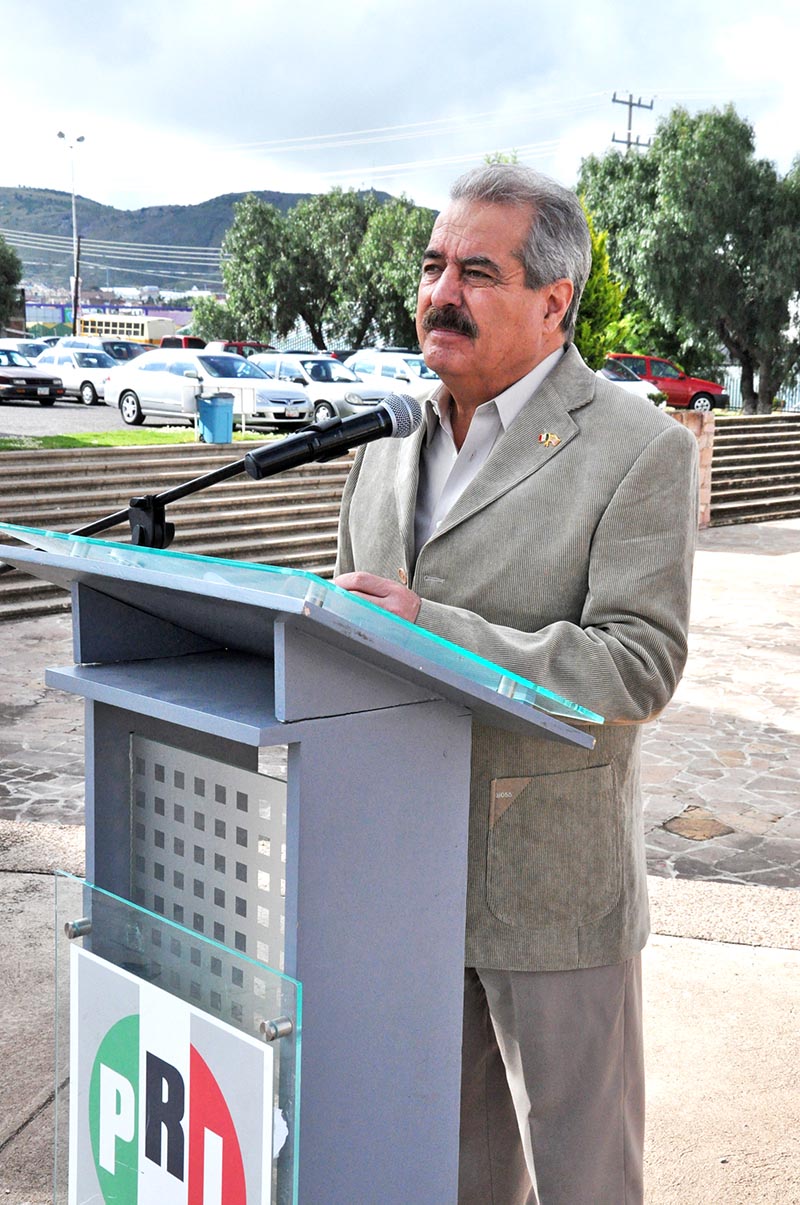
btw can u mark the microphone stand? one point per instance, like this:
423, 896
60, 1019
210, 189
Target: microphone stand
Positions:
147, 514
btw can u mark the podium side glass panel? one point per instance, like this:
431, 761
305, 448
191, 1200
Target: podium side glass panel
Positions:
177, 1061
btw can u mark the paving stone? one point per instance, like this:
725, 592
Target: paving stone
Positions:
697, 825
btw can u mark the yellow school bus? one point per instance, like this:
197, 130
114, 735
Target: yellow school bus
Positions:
139, 328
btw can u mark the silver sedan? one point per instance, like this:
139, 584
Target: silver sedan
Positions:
166, 384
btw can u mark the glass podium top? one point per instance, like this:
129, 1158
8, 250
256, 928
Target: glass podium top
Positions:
295, 591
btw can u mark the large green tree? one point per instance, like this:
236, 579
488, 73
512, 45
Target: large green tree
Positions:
342, 263
708, 237
10, 276
386, 275
315, 274
251, 253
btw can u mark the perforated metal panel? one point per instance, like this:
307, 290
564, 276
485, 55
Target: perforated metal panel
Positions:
209, 852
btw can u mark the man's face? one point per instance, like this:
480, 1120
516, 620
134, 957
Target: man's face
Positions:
478, 325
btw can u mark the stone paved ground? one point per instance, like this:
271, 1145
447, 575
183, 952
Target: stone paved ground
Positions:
723, 760
721, 772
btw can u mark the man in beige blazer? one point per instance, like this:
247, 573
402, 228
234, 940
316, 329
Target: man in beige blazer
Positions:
545, 520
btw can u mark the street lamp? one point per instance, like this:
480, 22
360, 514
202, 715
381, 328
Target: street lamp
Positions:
75, 255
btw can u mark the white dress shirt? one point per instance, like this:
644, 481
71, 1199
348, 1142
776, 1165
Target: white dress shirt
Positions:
445, 471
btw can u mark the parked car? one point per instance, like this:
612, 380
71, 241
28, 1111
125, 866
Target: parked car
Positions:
333, 388
166, 384
239, 347
83, 369
184, 341
620, 374
681, 390
402, 369
21, 379
118, 349
30, 348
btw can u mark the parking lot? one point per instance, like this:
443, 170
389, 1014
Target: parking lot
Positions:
64, 418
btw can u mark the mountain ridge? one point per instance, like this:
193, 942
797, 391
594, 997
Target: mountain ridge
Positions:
47, 211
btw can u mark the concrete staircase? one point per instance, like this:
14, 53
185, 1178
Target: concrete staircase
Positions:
287, 520
755, 469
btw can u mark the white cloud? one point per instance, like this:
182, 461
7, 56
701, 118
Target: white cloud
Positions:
171, 98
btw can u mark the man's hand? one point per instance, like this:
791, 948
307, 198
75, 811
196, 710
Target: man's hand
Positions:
382, 592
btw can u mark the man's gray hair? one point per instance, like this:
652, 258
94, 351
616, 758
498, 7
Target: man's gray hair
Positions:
558, 244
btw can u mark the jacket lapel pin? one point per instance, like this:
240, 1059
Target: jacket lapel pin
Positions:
401, 573
549, 439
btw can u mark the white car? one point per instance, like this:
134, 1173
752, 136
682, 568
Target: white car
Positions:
82, 369
167, 382
333, 388
30, 348
403, 370
620, 374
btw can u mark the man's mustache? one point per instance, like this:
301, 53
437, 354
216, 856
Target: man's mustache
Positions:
449, 318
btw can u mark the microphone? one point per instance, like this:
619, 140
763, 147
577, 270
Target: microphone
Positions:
396, 417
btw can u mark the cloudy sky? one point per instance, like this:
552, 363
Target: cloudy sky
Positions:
182, 100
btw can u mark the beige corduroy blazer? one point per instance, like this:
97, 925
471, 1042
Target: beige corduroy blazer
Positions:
567, 560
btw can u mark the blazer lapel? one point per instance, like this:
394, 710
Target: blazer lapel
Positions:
406, 480
541, 430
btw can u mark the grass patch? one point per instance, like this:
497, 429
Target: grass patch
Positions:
127, 438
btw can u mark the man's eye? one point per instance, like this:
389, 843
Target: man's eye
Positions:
476, 274
430, 269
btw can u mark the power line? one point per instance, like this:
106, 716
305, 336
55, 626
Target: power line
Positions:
57, 243
418, 129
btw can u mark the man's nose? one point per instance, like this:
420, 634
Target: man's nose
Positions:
447, 290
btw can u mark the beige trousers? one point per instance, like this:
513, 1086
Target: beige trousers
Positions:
552, 1094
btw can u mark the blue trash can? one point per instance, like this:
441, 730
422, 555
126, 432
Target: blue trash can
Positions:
215, 418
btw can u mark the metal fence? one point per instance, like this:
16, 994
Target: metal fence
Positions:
788, 394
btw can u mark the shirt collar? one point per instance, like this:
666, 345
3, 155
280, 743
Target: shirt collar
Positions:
508, 403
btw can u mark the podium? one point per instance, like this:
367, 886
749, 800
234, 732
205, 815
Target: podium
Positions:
348, 879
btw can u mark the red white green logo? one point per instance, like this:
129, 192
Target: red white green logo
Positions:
168, 1106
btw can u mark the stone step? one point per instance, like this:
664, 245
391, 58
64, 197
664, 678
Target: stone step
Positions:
749, 470
750, 421
751, 464
765, 442
757, 515
744, 510
753, 493
757, 439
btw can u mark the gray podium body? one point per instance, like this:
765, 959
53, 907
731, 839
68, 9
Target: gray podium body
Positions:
191, 669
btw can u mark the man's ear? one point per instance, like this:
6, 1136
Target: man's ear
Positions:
557, 296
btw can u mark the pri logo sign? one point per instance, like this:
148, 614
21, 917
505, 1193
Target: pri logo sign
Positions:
168, 1106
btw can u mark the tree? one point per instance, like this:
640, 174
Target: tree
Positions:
212, 319
10, 276
709, 237
342, 263
386, 275
314, 279
501, 157
597, 328
251, 252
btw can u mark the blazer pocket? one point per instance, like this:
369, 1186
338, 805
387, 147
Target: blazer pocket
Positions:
554, 847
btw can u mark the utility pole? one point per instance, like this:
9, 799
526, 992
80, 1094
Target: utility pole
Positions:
76, 243
632, 104
76, 285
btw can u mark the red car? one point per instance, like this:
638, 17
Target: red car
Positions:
21, 379
680, 389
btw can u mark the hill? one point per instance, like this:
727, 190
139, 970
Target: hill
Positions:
40, 211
